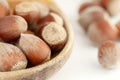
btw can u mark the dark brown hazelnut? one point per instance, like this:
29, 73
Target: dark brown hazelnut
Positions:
36, 50
101, 31
29, 32
52, 17
11, 27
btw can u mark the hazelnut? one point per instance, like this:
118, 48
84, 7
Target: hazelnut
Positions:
87, 5
28, 11
11, 27
11, 58
112, 6
109, 54
118, 27
101, 31
92, 14
29, 32
52, 17
4, 8
36, 50
43, 9
54, 35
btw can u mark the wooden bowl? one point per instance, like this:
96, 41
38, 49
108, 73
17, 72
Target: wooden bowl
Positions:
47, 69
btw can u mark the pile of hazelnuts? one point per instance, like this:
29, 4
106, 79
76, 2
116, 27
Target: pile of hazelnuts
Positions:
95, 19
29, 35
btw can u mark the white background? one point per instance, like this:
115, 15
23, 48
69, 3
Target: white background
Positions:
83, 63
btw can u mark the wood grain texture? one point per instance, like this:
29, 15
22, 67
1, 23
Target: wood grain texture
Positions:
43, 71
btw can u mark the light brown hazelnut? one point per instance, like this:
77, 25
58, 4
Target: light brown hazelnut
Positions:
43, 9
54, 35
28, 11
112, 6
109, 55
11, 58
87, 5
52, 17
92, 14
11, 27
4, 8
36, 50
101, 31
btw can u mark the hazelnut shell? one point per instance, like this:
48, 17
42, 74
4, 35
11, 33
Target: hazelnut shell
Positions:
11, 27
109, 54
28, 11
34, 48
92, 14
54, 35
101, 31
4, 8
43, 9
51, 17
87, 5
11, 58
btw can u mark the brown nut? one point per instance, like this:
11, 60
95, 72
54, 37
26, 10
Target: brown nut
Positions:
43, 9
29, 32
109, 55
11, 27
101, 31
54, 35
52, 17
92, 14
11, 58
118, 27
28, 11
112, 6
4, 8
36, 50
87, 5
